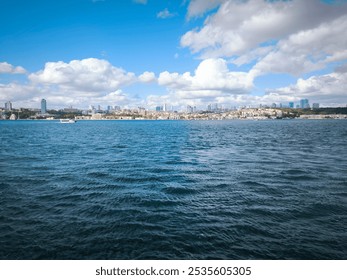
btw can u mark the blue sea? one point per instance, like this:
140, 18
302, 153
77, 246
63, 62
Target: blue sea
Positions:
272, 189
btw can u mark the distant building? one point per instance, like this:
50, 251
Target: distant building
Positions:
43, 106
190, 109
141, 110
8, 106
315, 106
96, 116
291, 104
304, 104
71, 110
273, 105
213, 107
159, 108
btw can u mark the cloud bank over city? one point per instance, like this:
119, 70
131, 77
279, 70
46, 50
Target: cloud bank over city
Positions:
235, 53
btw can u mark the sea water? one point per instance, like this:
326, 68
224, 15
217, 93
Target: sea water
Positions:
272, 189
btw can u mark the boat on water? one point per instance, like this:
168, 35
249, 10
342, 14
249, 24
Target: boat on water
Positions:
67, 121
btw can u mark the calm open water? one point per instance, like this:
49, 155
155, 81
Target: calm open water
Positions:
173, 190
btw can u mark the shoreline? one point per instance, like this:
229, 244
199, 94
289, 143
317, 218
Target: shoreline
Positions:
236, 119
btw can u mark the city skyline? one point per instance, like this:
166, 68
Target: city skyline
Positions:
181, 53
300, 104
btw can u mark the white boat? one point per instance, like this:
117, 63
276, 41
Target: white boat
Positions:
67, 121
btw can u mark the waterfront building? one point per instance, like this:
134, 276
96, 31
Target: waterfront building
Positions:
43, 106
97, 116
8, 106
315, 106
13, 117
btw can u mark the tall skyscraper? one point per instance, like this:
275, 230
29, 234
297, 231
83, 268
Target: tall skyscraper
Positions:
43, 106
8, 106
304, 104
291, 104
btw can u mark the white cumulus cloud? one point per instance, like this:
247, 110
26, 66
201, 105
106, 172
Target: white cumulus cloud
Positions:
211, 79
16, 92
328, 90
281, 36
78, 83
307, 50
89, 75
6, 68
199, 7
147, 77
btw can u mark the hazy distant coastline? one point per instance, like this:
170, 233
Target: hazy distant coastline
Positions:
136, 114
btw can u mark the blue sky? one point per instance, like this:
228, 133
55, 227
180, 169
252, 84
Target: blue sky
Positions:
126, 33
146, 53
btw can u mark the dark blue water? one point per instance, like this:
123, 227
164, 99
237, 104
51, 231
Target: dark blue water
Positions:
173, 190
